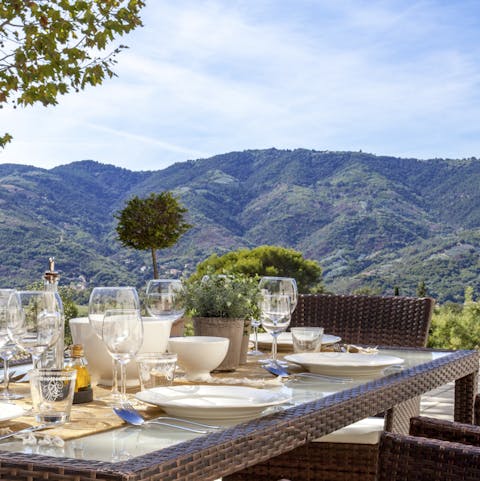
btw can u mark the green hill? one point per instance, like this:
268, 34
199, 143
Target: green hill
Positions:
370, 221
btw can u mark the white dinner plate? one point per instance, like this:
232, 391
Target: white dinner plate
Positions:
10, 411
344, 363
214, 402
285, 340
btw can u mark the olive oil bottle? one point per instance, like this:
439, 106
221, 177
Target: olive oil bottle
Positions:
83, 389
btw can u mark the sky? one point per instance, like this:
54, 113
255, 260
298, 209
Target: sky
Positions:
206, 77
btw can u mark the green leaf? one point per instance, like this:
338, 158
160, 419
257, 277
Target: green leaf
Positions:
50, 46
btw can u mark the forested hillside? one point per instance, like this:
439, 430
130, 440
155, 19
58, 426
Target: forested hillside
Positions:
370, 221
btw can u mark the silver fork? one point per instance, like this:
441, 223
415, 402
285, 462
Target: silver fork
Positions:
129, 414
278, 370
32, 429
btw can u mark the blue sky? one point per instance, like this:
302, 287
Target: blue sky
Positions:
394, 77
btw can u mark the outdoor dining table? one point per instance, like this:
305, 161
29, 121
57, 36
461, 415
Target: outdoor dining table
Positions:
106, 449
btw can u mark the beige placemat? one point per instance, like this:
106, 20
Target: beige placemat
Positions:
97, 416
85, 419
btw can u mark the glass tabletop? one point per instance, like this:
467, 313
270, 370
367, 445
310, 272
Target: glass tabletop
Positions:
128, 442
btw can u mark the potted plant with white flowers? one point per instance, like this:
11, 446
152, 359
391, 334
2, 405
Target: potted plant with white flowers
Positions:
223, 305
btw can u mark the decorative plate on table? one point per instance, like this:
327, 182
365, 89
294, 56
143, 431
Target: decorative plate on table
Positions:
285, 342
214, 402
344, 363
10, 411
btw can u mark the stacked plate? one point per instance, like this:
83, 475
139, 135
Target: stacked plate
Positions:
344, 363
10, 411
227, 403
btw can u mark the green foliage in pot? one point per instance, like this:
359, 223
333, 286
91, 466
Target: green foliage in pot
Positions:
219, 295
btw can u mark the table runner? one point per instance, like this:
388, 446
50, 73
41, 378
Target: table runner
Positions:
88, 418
97, 416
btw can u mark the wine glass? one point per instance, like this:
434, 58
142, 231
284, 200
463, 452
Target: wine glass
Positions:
286, 286
255, 323
37, 322
101, 300
9, 306
275, 315
163, 299
122, 334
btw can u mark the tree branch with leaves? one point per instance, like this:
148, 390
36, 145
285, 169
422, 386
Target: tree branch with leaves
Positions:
48, 48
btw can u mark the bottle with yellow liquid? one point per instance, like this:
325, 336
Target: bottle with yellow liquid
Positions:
83, 389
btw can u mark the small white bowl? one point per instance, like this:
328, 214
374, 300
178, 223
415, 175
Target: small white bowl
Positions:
155, 337
199, 355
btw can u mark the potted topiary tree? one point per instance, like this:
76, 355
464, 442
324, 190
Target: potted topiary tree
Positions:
223, 305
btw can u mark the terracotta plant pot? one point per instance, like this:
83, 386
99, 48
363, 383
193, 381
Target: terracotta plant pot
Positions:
178, 328
223, 327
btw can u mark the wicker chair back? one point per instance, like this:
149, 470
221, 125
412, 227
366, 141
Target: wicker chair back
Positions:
373, 320
436, 450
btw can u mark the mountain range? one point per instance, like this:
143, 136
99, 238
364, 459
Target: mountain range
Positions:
372, 222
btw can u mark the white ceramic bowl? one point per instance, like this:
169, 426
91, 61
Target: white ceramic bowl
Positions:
155, 339
199, 355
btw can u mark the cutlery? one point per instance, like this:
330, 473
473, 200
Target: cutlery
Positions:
129, 414
32, 429
278, 370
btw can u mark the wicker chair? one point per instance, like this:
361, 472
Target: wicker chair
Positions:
368, 320
371, 320
436, 450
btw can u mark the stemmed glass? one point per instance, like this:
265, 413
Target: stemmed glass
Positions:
255, 323
283, 286
275, 315
9, 306
163, 299
286, 286
36, 324
122, 334
101, 300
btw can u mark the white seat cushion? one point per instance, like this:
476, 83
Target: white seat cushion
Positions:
366, 431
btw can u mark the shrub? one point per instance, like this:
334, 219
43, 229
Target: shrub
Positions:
267, 261
455, 326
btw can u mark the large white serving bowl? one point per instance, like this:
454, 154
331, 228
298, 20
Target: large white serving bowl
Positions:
199, 355
155, 339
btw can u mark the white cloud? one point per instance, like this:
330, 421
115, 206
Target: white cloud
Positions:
149, 140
